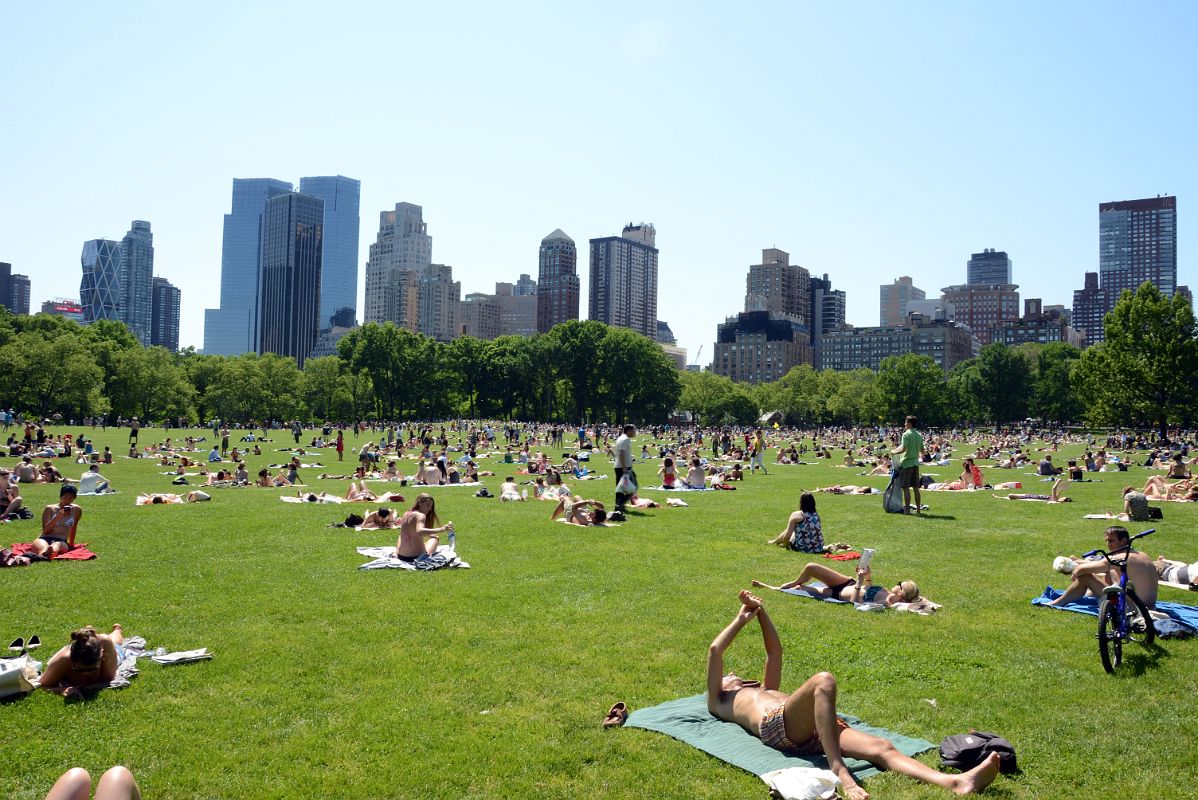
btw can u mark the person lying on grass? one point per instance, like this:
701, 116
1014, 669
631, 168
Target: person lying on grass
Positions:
803, 530
1091, 577
804, 722
509, 490
843, 587
1157, 488
59, 523
167, 499
847, 489
88, 662
1177, 572
576, 511
416, 536
1054, 497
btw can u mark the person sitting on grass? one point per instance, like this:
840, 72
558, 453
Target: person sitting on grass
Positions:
667, 472
1054, 497
27, 472
804, 722
59, 524
854, 590
1091, 577
696, 477
803, 530
576, 511
88, 662
1135, 505
1177, 572
417, 537
50, 473
115, 784
10, 498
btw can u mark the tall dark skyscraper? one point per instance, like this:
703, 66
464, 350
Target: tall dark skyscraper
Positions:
136, 277
339, 267
289, 286
1090, 305
558, 288
988, 268
164, 327
232, 329
100, 288
623, 288
14, 290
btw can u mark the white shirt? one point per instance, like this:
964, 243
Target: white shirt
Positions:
624, 451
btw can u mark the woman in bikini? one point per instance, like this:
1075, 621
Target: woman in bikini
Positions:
88, 662
416, 536
843, 587
59, 523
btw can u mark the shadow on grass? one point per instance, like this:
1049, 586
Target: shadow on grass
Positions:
936, 516
1148, 656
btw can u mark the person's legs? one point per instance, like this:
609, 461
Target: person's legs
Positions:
430, 544
75, 784
918, 504
883, 754
826, 575
811, 710
117, 784
118, 633
1078, 588
784, 537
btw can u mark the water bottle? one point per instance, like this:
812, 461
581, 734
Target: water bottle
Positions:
524, 494
452, 540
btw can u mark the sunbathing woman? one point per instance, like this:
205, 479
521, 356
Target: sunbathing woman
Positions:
264, 479
1055, 497
1157, 488
88, 662
803, 530
847, 489
1177, 572
842, 587
574, 510
416, 537
667, 472
358, 493
59, 523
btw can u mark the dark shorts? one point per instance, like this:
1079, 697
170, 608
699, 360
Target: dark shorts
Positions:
909, 477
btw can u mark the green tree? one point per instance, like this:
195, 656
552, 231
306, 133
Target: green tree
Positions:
1054, 396
470, 360
578, 351
321, 384
1003, 383
911, 384
147, 383
704, 395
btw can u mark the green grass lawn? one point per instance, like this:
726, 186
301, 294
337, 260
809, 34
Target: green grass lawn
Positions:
491, 682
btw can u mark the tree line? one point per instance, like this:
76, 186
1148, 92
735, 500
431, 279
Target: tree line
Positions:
1144, 375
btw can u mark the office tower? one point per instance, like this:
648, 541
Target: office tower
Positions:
61, 307
232, 328
1137, 242
1090, 305
14, 290
401, 253
983, 307
100, 288
558, 287
760, 346
525, 287
988, 268
289, 294
623, 287
517, 307
339, 270
136, 280
894, 298
439, 296
778, 286
165, 322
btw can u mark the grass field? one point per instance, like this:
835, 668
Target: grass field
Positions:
491, 682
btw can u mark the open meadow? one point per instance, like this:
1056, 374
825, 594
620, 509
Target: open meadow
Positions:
491, 682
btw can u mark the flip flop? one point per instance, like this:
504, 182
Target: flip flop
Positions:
616, 717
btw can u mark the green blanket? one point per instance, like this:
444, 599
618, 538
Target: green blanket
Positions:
688, 720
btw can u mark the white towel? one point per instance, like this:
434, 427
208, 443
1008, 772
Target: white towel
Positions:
182, 657
802, 783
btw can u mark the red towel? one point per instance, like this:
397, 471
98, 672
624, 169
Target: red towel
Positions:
848, 555
78, 553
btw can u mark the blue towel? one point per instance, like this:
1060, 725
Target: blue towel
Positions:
1185, 616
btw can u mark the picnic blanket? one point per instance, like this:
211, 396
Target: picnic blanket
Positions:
688, 720
384, 558
678, 487
77, 553
1185, 616
325, 499
922, 606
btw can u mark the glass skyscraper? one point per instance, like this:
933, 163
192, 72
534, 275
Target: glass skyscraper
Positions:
289, 288
165, 320
988, 267
1137, 242
623, 289
136, 280
339, 270
232, 329
100, 289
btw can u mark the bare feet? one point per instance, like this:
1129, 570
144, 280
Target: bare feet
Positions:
750, 600
979, 777
852, 790
758, 583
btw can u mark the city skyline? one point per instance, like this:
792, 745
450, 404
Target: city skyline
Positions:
848, 196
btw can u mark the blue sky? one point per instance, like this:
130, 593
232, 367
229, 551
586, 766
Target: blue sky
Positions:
868, 140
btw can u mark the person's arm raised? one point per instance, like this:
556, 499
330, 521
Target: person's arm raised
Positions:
772, 674
715, 657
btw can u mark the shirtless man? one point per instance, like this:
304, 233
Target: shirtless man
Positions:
416, 538
805, 722
430, 475
1094, 576
59, 523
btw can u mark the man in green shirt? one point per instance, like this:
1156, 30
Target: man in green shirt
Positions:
910, 448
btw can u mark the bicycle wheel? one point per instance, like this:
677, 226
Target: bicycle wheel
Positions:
1140, 633
1110, 645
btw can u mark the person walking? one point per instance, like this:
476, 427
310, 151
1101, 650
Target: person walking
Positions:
624, 463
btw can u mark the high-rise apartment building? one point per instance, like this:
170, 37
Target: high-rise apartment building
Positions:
946, 343
439, 295
401, 254
558, 287
1090, 305
987, 268
100, 288
1039, 325
983, 307
339, 267
894, 299
760, 346
232, 329
136, 278
1137, 242
478, 316
164, 326
778, 286
827, 312
623, 288
289, 287
525, 287
14, 290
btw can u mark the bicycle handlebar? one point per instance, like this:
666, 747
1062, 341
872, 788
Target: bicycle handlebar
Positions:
1126, 547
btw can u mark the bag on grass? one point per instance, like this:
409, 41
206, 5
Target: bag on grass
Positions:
892, 497
964, 751
13, 679
627, 483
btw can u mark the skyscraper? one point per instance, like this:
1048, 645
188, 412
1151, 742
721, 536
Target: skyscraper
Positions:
1090, 304
289, 304
100, 288
988, 268
339, 270
1137, 242
401, 253
983, 308
14, 290
827, 312
623, 287
232, 329
136, 280
164, 327
894, 298
778, 286
439, 296
558, 288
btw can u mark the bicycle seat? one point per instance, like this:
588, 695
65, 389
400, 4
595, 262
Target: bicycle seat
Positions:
1111, 591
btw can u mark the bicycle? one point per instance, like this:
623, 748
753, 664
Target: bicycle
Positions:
1117, 622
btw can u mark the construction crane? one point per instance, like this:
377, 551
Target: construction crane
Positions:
696, 361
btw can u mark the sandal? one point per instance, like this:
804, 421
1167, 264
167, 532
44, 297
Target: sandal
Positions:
616, 717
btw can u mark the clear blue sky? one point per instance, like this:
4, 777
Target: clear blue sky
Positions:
868, 140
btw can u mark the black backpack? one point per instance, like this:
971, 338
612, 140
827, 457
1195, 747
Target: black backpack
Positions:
964, 751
